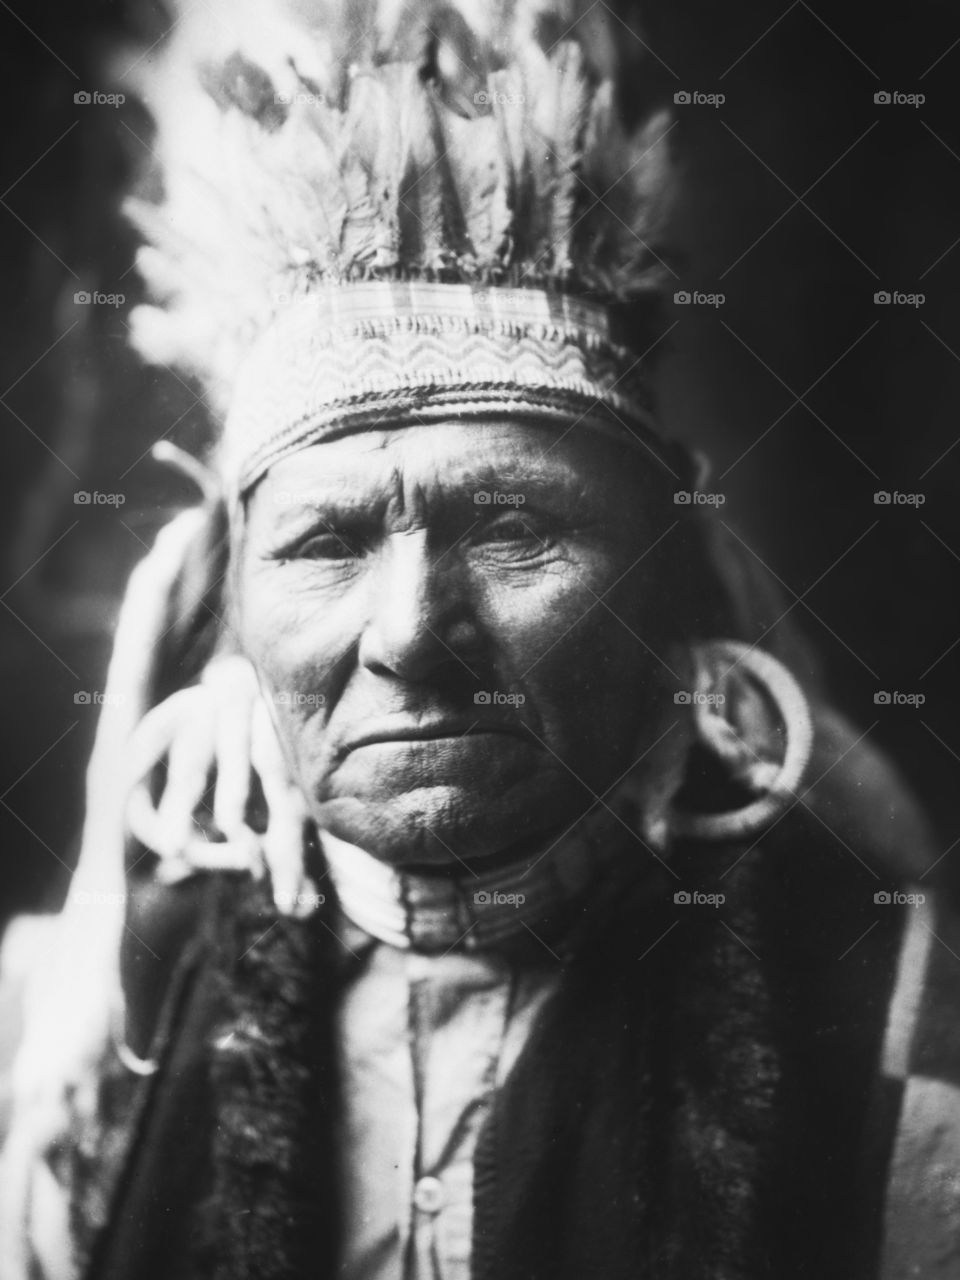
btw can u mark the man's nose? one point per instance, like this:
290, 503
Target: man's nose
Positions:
420, 618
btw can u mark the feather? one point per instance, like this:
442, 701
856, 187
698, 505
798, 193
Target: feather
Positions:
308, 140
455, 248
567, 120
421, 193
477, 173
371, 166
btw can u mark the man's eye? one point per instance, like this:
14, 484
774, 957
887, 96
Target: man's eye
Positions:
510, 529
329, 546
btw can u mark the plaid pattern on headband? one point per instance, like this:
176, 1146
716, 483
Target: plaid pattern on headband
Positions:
393, 354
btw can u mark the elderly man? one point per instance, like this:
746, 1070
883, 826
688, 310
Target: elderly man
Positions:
547, 944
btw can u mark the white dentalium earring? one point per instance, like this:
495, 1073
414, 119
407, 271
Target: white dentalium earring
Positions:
741, 675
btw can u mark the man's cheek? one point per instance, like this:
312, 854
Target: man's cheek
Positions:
293, 645
571, 638
595, 686
537, 620
300, 724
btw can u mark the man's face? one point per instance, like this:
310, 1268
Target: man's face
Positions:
458, 629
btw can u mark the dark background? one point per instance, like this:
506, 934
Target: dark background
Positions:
802, 198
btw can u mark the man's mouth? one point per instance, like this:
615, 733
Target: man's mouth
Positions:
401, 730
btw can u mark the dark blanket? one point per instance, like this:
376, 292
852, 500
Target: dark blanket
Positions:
693, 1102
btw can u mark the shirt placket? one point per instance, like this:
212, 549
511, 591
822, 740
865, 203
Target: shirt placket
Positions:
452, 1092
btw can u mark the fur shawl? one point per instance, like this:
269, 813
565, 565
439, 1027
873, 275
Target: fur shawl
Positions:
690, 1105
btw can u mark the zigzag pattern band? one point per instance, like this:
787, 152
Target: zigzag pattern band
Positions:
382, 354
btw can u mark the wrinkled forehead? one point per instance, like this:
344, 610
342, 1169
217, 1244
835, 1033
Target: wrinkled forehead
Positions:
495, 464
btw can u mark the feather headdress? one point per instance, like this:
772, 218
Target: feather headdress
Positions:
373, 211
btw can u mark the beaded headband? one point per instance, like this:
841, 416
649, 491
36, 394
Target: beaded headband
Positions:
386, 354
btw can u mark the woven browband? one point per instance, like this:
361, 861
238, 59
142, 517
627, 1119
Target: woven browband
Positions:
385, 354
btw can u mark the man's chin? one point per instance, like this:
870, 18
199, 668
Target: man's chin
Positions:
439, 826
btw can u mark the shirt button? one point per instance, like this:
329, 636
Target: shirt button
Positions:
428, 1195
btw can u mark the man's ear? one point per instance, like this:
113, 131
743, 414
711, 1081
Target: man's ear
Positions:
753, 722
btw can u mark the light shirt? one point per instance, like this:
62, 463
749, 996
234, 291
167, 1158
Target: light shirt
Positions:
425, 1042
428, 1031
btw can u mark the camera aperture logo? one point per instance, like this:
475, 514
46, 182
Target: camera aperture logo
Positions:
696, 898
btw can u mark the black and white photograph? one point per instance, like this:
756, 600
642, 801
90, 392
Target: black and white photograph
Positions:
479, 641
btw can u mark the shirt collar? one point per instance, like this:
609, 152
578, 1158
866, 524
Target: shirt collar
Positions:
536, 895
